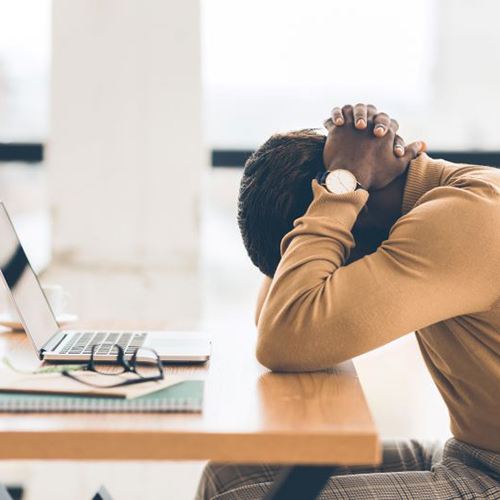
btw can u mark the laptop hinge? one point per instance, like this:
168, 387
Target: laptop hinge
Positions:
53, 343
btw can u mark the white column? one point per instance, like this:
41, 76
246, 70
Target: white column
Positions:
125, 151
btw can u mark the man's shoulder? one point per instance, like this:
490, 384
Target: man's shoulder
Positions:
456, 219
428, 177
461, 184
460, 200
467, 176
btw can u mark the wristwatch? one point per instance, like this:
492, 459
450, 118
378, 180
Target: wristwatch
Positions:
339, 181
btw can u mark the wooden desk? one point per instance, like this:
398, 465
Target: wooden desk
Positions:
250, 415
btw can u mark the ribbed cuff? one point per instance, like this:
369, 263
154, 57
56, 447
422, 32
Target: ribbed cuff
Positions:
424, 174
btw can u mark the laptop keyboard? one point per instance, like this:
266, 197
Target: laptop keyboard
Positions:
82, 342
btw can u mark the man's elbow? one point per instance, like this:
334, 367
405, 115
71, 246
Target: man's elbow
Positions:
278, 352
275, 360
269, 356
283, 348
275, 350
266, 358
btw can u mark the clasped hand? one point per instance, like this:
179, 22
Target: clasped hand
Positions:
365, 142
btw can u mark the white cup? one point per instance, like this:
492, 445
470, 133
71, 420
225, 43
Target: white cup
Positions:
57, 297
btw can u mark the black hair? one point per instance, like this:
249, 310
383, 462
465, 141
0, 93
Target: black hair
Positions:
275, 190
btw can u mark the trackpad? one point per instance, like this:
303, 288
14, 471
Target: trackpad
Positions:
178, 343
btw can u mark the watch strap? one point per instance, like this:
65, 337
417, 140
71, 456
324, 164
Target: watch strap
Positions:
321, 177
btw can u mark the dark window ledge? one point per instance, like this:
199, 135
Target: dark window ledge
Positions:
25, 152
236, 158
33, 152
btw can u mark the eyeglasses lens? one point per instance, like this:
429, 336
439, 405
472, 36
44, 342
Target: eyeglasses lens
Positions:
146, 362
113, 362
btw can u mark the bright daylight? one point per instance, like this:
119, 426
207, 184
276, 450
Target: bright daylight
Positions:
249, 250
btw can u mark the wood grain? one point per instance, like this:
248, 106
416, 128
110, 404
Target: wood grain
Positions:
249, 415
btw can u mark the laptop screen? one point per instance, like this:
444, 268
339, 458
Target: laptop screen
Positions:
34, 310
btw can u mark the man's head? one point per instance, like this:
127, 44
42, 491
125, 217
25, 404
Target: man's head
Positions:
275, 190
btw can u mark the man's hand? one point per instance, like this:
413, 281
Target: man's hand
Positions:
365, 142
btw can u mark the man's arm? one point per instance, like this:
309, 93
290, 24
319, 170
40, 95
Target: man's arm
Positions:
264, 290
440, 261
360, 117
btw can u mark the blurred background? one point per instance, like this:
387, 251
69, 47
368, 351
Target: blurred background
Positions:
123, 129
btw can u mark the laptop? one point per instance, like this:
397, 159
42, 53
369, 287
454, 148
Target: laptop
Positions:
53, 343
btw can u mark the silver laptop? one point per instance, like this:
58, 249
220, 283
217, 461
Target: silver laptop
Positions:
55, 344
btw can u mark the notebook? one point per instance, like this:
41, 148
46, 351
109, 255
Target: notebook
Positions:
55, 383
184, 396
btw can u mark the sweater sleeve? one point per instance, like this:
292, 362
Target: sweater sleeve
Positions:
264, 289
440, 261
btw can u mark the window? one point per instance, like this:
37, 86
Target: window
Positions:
282, 64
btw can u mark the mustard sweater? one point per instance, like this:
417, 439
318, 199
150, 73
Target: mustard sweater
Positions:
438, 274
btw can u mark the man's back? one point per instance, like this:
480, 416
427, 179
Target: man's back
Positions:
463, 352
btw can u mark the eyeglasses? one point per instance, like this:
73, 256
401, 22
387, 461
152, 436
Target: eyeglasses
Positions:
116, 358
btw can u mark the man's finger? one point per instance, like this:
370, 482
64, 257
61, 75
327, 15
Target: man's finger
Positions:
360, 116
414, 149
399, 146
381, 123
347, 113
394, 126
337, 116
371, 111
328, 124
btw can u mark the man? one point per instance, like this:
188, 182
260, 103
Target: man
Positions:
426, 259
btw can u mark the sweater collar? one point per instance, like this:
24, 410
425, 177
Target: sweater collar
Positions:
424, 174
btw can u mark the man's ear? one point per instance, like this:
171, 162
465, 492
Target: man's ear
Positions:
264, 289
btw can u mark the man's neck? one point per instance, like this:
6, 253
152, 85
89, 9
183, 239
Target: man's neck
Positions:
385, 204
382, 211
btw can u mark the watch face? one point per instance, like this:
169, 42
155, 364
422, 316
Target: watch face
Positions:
341, 181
